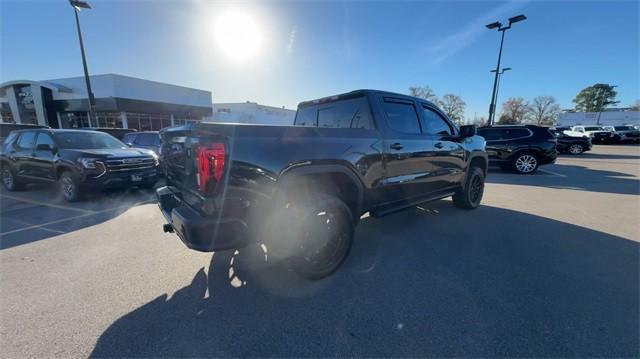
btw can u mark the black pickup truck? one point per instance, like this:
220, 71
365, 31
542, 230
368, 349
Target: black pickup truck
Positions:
302, 189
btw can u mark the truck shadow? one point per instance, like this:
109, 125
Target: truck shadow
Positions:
576, 178
430, 281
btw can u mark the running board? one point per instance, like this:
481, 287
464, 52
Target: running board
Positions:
387, 211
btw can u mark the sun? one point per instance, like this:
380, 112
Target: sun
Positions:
237, 34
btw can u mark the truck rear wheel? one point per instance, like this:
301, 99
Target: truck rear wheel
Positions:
323, 226
470, 196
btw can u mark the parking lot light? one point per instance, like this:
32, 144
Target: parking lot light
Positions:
504, 69
503, 29
77, 5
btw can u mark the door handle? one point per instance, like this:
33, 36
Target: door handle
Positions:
439, 145
396, 146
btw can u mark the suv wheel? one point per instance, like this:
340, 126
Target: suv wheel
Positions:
471, 195
323, 227
525, 163
576, 149
69, 187
9, 180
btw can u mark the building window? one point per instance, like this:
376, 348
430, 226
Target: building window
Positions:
26, 105
74, 119
148, 122
108, 120
5, 112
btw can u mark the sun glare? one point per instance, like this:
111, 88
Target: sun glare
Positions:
237, 34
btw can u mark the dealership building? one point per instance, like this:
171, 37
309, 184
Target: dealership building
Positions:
608, 117
251, 112
120, 102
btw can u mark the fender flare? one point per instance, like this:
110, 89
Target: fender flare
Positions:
291, 173
64, 167
482, 155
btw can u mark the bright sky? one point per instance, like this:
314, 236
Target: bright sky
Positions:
293, 51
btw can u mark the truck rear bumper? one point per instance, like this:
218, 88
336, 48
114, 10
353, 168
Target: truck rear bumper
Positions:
204, 234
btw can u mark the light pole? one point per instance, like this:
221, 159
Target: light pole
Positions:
602, 103
503, 29
504, 69
77, 5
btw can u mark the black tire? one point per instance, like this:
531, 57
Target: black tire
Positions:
525, 163
322, 226
10, 181
471, 195
69, 187
575, 149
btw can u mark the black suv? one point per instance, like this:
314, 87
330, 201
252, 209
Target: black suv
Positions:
521, 148
7, 128
573, 145
149, 140
78, 160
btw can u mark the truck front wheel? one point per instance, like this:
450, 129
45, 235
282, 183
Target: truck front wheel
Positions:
470, 196
323, 227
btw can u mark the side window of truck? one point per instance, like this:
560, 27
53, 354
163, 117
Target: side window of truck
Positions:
402, 117
434, 123
351, 113
307, 116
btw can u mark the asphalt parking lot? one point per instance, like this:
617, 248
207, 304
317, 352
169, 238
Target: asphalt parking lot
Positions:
548, 266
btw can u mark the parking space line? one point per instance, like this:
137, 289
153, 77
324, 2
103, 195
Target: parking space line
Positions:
40, 203
73, 218
552, 173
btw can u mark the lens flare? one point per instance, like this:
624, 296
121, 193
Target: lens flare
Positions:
237, 34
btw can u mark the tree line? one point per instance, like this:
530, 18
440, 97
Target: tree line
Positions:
541, 110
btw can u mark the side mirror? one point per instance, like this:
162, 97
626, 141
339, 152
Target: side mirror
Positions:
468, 131
44, 147
129, 144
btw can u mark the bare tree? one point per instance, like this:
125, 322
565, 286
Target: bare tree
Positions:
635, 106
514, 110
424, 92
544, 110
453, 106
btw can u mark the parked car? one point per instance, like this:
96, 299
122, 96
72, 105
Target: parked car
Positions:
302, 189
6, 128
521, 148
574, 145
597, 133
79, 161
627, 133
568, 131
118, 133
147, 139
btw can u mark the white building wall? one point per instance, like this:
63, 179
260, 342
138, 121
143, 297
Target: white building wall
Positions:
251, 112
112, 85
611, 118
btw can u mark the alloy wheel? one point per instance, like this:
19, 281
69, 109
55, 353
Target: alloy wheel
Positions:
476, 189
324, 239
68, 187
575, 149
7, 178
526, 163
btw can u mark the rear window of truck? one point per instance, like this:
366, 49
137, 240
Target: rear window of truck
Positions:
348, 113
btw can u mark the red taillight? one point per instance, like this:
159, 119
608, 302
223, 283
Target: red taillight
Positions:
210, 163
